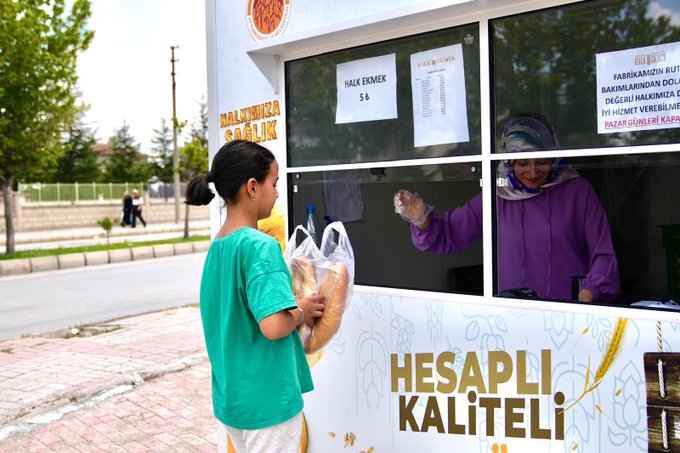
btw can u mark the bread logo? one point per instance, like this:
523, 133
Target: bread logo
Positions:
267, 18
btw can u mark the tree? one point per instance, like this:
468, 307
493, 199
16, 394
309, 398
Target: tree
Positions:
106, 223
126, 163
78, 163
194, 156
39, 47
163, 149
199, 131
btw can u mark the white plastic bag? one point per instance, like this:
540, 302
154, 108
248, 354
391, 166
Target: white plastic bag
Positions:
303, 261
328, 270
335, 247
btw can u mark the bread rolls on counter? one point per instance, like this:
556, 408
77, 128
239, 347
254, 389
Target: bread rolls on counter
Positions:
334, 288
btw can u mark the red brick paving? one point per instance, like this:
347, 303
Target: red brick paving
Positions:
169, 411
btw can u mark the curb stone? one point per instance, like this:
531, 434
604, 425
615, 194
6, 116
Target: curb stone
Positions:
201, 246
142, 253
93, 258
14, 267
44, 263
73, 260
163, 250
182, 248
120, 255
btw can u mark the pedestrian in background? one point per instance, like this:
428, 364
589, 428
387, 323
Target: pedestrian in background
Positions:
127, 210
137, 203
248, 309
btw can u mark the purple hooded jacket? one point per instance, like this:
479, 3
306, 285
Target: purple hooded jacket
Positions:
542, 241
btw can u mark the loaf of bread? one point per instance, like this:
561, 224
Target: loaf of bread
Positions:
303, 272
334, 288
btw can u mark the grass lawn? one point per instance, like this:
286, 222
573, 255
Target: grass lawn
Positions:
94, 248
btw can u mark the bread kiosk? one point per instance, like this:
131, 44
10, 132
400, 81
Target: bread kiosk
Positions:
361, 98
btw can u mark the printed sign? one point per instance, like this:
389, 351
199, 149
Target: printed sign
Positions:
438, 90
411, 375
638, 89
367, 90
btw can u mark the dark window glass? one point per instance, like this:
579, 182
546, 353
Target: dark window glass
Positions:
384, 253
541, 240
315, 139
546, 62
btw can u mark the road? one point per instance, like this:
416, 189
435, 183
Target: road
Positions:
50, 301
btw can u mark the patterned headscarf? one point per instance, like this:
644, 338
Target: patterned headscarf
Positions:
529, 132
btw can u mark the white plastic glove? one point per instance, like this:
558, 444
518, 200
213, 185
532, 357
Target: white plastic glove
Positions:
411, 207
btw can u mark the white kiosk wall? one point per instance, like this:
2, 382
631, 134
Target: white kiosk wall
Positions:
431, 370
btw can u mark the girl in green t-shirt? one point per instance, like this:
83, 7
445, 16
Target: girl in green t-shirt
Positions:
249, 313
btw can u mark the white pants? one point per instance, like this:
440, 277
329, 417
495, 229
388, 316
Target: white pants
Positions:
281, 438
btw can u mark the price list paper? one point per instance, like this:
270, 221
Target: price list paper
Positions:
439, 104
367, 90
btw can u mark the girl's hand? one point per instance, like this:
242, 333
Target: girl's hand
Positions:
282, 323
312, 307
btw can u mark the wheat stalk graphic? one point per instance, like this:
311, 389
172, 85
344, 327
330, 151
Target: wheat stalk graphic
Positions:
610, 355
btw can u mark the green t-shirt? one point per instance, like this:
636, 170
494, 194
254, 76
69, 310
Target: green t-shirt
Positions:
256, 382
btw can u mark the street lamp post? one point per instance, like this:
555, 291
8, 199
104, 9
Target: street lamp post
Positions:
175, 152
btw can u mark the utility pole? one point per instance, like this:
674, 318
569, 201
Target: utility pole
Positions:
175, 152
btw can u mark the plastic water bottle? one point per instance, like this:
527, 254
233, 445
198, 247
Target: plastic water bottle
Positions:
313, 225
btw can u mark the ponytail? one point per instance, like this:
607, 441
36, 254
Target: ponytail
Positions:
198, 191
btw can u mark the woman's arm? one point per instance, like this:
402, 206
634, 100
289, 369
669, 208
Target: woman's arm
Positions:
457, 229
602, 280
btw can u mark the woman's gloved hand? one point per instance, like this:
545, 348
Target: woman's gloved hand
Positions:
412, 208
585, 295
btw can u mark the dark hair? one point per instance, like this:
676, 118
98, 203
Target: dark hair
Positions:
234, 164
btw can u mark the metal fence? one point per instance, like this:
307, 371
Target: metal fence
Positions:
163, 191
93, 192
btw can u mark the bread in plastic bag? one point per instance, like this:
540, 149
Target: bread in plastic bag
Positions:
329, 271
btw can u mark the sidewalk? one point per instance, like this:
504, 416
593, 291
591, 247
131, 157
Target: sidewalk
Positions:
95, 235
51, 239
144, 386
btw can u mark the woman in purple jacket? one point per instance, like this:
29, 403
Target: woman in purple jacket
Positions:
550, 223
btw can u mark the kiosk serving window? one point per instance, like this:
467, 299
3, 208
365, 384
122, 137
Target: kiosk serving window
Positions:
381, 240
603, 74
409, 98
619, 216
